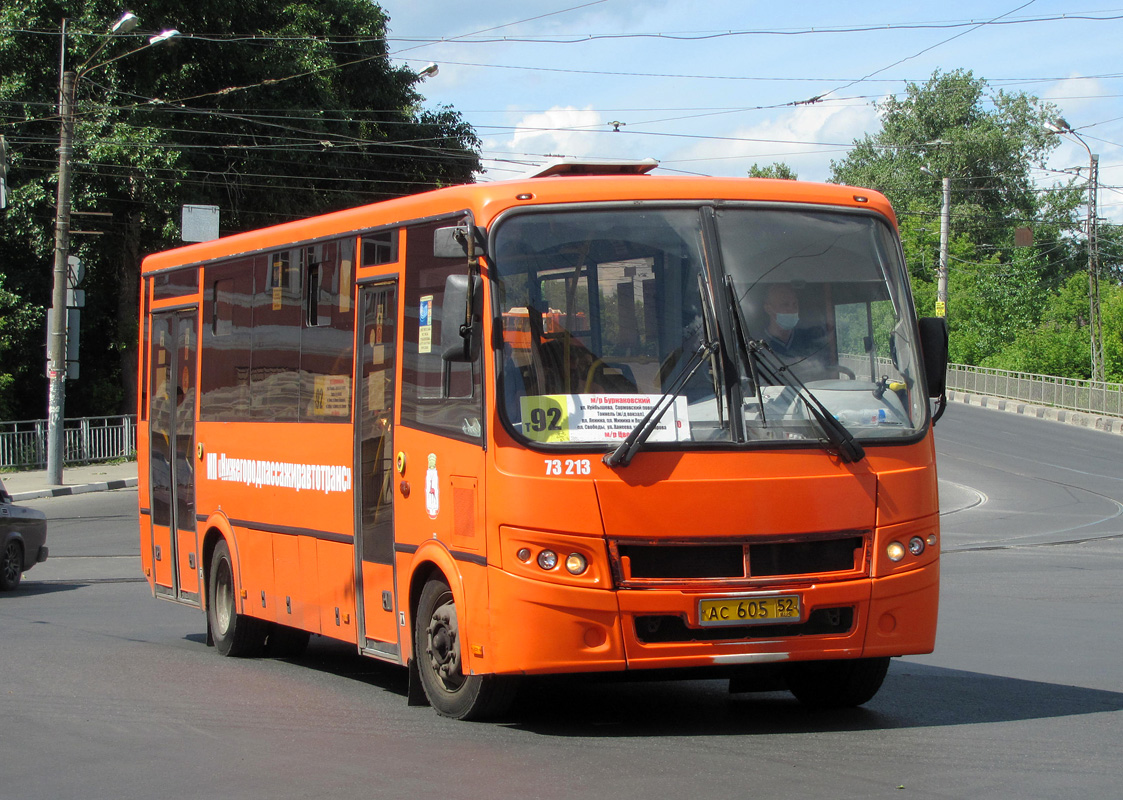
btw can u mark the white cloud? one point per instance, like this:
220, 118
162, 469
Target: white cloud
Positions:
807, 138
558, 132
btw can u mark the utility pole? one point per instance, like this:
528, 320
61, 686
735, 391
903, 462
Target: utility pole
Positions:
945, 231
56, 337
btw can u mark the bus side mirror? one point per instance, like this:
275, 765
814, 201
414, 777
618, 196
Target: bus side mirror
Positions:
461, 328
934, 347
452, 242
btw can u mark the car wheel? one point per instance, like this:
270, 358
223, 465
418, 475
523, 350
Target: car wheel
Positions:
437, 651
11, 566
233, 634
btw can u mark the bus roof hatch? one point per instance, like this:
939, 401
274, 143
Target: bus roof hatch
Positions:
575, 166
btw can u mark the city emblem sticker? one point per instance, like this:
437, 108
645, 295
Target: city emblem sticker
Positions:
432, 488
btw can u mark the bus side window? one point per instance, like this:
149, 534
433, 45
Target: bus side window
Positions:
444, 397
326, 340
380, 247
274, 378
224, 379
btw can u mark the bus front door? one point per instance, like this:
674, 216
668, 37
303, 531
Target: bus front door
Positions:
171, 415
374, 454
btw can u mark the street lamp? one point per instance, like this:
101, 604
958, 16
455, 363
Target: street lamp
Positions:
945, 231
1060, 127
56, 339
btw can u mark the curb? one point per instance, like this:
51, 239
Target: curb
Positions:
1065, 416
82, 488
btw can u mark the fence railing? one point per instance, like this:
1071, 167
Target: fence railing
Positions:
23, 444
1075, 394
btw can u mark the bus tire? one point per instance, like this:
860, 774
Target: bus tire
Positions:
842, 683
233, 634
437, 653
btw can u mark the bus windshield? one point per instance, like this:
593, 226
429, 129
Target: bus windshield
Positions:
794, 309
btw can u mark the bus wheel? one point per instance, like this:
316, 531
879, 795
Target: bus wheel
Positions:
234, 634
437, 651
836, 684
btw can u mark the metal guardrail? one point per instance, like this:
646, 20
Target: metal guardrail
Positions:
23, 444
1075, 394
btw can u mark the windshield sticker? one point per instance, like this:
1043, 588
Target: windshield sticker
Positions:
331, 396
425, 320
432, 488
554, 418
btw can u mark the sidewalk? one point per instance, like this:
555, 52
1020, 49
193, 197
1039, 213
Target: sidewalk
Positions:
32, 484
1079, 418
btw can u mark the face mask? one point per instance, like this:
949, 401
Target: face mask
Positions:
787, 321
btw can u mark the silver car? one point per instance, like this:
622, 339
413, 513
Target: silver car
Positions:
23, 540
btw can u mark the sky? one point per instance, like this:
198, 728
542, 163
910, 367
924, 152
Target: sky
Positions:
713, 88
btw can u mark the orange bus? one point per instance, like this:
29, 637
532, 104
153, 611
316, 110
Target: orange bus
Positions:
712, 453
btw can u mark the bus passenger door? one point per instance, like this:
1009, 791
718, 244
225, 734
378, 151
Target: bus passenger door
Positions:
374, 455
171, 417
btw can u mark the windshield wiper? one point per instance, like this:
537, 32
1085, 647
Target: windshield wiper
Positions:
622, 455
761, 360
742, 336
838, 435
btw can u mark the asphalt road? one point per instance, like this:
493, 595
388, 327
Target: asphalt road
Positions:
112, 694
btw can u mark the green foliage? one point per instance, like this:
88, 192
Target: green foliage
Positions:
986, 143
1060, 343
18, 322
271, 111
778, 170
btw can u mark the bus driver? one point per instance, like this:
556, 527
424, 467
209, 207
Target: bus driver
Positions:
783, 335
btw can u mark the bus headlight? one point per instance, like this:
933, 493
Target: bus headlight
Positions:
547, 559
576, 564
895, 551
916, 545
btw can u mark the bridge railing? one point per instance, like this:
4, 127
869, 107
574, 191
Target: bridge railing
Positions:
1075, 394
23, 444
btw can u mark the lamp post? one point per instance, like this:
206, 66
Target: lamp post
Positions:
56, 336
1095, 323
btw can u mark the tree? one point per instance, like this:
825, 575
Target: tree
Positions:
17, 322
778, 170
952, 126
270, 111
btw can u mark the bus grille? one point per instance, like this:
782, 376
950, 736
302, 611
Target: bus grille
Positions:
831, 557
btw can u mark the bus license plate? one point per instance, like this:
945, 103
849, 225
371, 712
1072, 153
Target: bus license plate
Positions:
749, 610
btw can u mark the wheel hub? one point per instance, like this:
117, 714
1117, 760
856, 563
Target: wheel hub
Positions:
444, 649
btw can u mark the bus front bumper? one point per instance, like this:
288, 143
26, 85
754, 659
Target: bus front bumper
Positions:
539, 627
